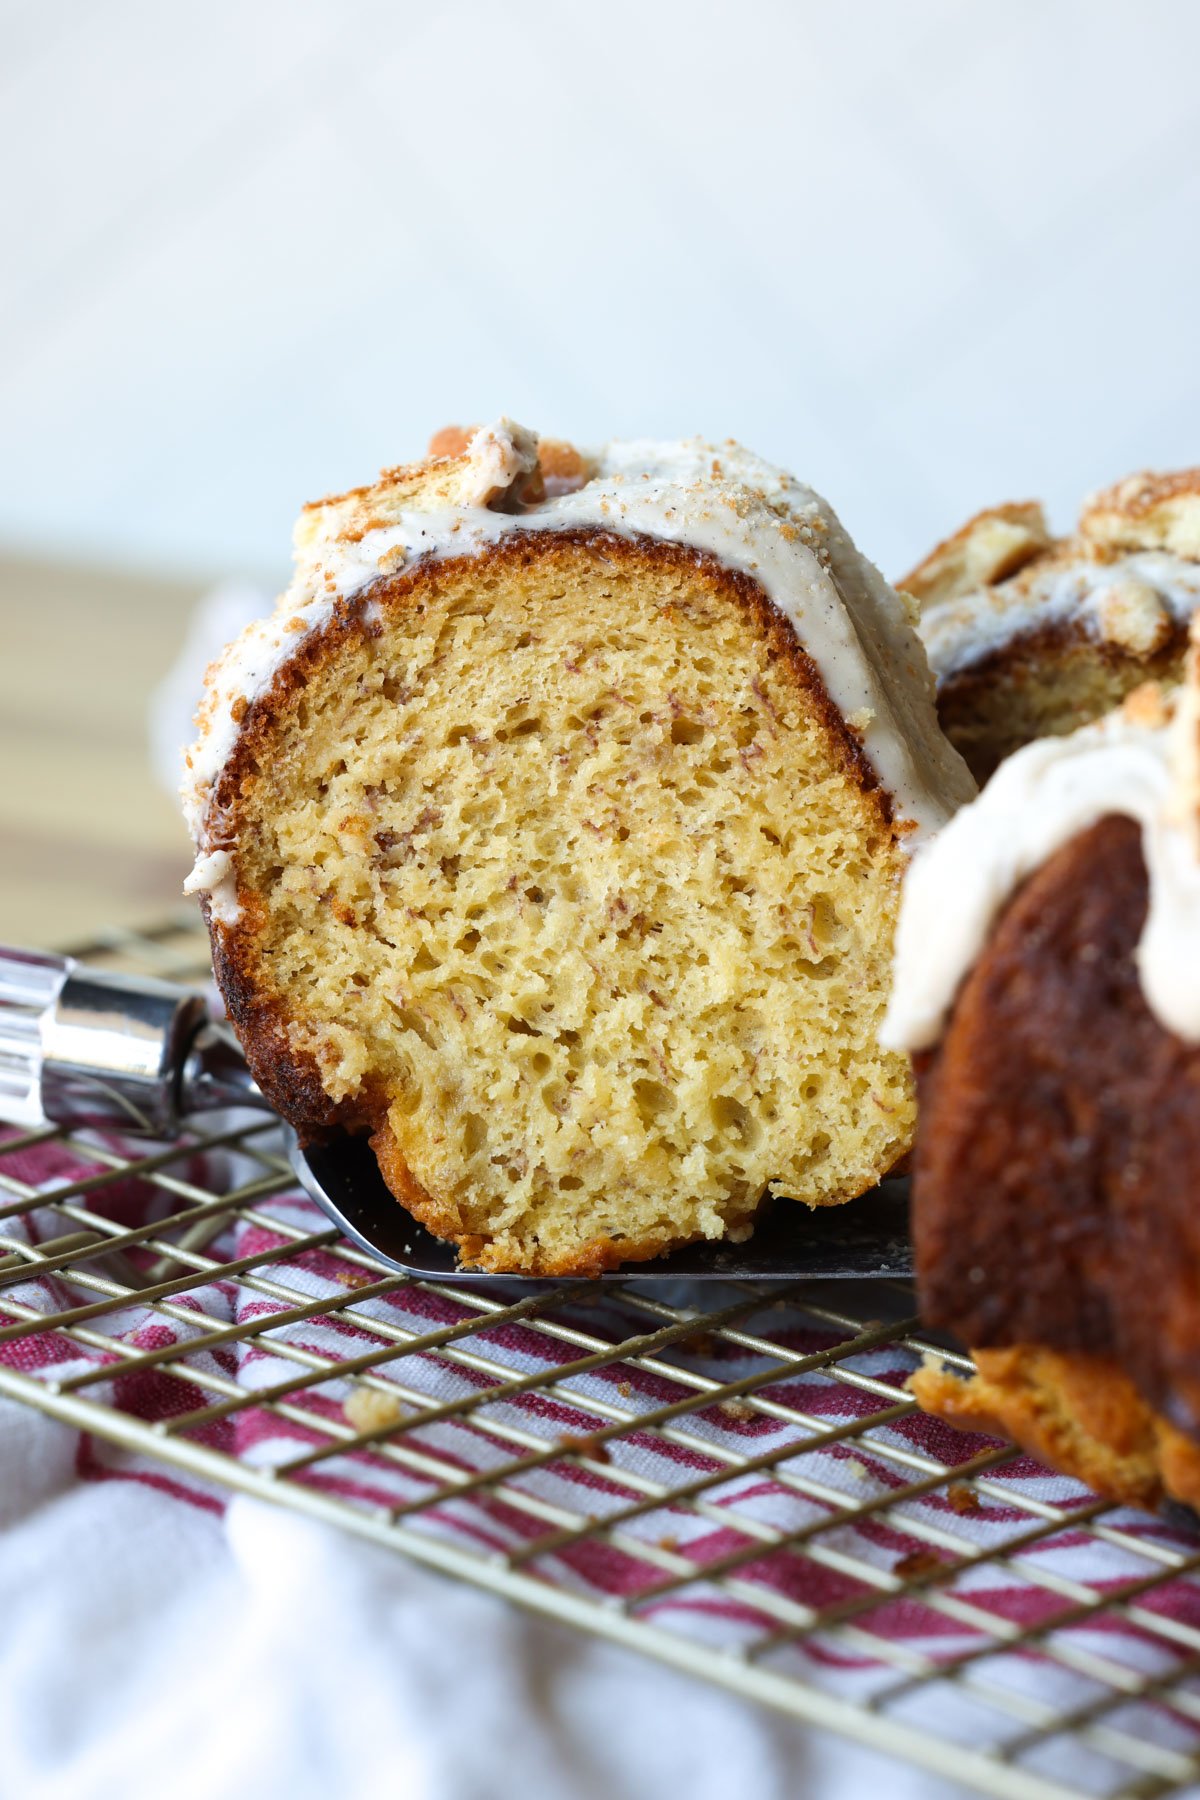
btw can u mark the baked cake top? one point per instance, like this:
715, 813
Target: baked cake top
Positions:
718, 499
1143, 762
1127, 578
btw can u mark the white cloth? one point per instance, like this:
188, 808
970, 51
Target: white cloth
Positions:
151, 1646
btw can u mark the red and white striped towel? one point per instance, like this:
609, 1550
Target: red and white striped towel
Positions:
152, 1623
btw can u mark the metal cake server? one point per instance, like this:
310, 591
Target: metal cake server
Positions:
82, 1047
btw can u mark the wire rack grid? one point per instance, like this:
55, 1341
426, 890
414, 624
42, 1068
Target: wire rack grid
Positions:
734, 1481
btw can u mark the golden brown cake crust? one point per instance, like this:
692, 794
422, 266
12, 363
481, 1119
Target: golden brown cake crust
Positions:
1032, 636
446, 1221
1057, 1094
1046, 683
990, 547
1147, 511
1080, 1414
286, 1071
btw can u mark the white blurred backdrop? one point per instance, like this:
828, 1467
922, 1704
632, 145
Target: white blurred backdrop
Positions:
929, 253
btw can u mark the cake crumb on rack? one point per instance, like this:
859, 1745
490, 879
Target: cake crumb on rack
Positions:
367, 1409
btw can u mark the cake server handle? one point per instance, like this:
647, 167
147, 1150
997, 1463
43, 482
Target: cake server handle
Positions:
80, 1046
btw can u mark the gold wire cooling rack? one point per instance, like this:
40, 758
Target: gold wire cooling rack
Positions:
734, 1481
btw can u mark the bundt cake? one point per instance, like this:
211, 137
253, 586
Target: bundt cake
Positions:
1048, 982
1032, 636
551, 831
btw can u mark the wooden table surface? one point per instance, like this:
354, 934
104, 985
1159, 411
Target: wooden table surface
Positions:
87, 836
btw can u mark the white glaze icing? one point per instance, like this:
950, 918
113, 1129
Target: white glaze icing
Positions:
212, 874
717, 499
1098, 595
1038, 800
